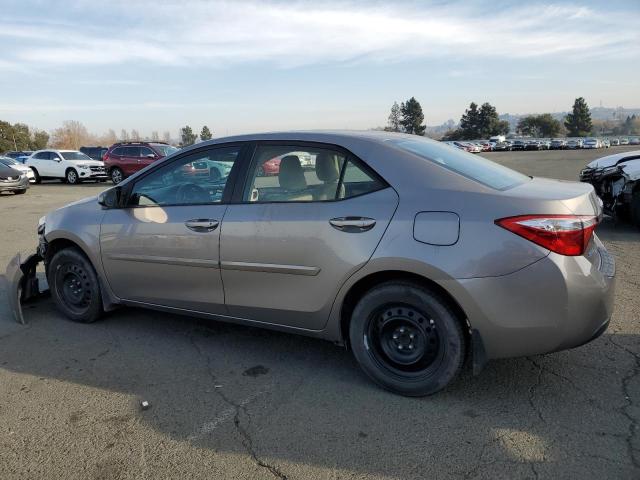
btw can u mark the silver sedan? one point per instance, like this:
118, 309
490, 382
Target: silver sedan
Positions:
413, 254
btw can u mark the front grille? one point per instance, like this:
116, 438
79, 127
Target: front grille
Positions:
97, 169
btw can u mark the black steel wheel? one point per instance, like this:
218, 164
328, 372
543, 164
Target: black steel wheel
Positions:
407, 338
74, 286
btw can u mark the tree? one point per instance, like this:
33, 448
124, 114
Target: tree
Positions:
578, 122
412, 117
166, 137
489, 123
187, 136
72, 135
539, 125
470, 122
7, 137
135, 135
124, 136
39, 140
394, 118
155, 137
205, 134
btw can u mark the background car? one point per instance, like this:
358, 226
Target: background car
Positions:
97, 153
558, 144
634, 141
11, 180
126, 158
18, 153
574, 144
501, 147
12, 163
70, 166
624, 141
591, 143
615, 142
518, 145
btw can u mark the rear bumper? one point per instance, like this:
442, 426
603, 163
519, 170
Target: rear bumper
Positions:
554, 304
23, 284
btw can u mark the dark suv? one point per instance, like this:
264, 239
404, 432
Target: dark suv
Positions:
126, 158
97, 153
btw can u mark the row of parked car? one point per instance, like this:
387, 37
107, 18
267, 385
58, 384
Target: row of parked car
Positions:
503, 145
89, 163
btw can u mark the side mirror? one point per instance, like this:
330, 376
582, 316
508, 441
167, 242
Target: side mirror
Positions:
150, 155
110, 198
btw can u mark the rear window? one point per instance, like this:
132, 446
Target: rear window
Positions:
471, 166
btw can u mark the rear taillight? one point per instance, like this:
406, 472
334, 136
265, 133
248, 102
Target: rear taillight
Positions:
563, 234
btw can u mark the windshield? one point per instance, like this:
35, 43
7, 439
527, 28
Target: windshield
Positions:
165, 150
74, 156
471, 166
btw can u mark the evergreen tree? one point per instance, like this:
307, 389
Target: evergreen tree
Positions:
412, 117
187, 136
394, 118
578, 122
470, 122
205, 134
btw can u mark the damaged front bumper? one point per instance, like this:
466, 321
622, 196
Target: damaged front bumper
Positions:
23, 283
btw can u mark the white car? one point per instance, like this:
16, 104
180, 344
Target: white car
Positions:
591, 143
10, 162
70, 166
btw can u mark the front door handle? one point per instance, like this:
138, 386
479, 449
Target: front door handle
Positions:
202, 225
352, 224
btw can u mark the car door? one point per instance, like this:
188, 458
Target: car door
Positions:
58, 165
290, 241
146, 158
162, 246
130, 160
39, 162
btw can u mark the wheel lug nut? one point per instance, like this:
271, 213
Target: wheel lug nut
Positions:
401, 329
411, 335
399, 347
431, 321
395, 336
410, 347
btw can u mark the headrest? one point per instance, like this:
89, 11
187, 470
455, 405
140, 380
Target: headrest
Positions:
327, 167
291, 175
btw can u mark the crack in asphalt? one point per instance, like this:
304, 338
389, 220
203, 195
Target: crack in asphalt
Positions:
247, 441
533, 388
626, 410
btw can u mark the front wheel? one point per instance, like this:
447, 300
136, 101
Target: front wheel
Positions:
20, 192
407, 338
74, 286
71, 177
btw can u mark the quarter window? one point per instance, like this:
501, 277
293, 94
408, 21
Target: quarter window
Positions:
197, 179
144, 151
303, 174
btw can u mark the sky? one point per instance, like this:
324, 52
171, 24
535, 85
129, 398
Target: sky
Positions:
248, 66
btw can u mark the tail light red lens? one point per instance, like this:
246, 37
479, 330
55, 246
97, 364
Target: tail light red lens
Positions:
564, 234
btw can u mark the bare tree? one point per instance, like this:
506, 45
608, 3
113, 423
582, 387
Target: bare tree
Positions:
124, 136
72, 134
166, 136
155, 136
135, 135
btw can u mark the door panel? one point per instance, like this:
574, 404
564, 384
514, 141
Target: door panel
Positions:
150, 255
283, 263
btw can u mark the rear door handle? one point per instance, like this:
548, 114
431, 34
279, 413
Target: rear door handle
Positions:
352, 224
202, 225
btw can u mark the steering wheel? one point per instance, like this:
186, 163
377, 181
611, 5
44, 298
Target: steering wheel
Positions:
191, 193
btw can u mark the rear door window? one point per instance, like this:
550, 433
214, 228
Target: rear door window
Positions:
131, 152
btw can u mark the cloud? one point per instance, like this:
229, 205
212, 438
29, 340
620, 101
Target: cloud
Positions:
219, 34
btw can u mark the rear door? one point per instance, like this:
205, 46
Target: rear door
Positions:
130, 160
162, 247
290, 241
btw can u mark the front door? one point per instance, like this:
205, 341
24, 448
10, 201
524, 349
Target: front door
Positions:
297, 236
162, 247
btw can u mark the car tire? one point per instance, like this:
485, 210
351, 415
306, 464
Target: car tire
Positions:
635, 207
20, 192
116, 175
74, 286
407, 338
36, 175
71, 176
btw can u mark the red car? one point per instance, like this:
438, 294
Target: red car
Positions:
270, 167
126, 158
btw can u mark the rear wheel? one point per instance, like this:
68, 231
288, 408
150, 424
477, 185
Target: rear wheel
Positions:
71, 177
116, 175
74, 286
407, 338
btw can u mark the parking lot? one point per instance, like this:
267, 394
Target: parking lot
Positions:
237, 402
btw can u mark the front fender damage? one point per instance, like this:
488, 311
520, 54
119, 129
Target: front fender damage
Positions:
23, 283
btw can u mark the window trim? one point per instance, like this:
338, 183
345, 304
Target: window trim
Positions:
244, 175
229, 187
